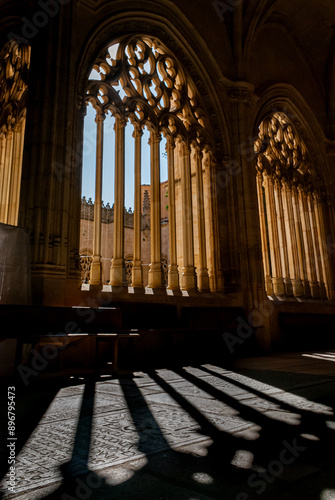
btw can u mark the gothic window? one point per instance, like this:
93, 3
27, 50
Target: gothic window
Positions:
290, 196
14, 68
138, 82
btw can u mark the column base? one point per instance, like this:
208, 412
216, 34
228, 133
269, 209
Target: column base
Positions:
173, 278
315, 289
298, 290
117, 273
137, 275
188, 279
306, 289
155, 275
95, 271
288, 287
278, 286
323, 291
203, 280
268, 285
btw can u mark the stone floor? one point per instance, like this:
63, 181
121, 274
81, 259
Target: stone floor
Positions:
260, 428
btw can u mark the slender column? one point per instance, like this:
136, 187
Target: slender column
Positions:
277, 275
15, 184
96, 267
300, 241
264, 238
308, 244
282, 236
6, 178
117, 271
155, 268
316, 245
293, 254
324, 250
137, 280
202, 272
187, 280
173, 278
2, 171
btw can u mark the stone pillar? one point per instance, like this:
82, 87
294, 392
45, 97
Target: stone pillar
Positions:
173, 278
137, 278
155, 268
316, 245
277, 275
6, 177
300, 241
308, 244
117, 271
2, 170
202, 271
293, 254
282, 237
15, 184
96, 268
324, 248
187, 279
264, 236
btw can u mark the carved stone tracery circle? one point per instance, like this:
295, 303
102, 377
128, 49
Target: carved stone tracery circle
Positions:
138, 78
282, 154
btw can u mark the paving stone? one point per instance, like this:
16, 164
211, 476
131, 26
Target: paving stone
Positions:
141, 442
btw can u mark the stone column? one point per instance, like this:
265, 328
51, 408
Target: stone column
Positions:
173, 278
187, 279
137, 279
155, 268
308, 244
15, 185
324, 248
202, 271
6, 177
316, 245
96, 267
117, 271
293, 254
300, 241
282, 236
2, 170
264, 236
277, 274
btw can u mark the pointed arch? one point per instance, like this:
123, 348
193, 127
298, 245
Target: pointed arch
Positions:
291, 198
137, 78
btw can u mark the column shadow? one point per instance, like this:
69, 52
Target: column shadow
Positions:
167, 473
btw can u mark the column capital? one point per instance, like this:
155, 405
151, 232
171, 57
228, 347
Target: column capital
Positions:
184, 149
170, 143
100, 116
155, 137
138, 132
197, 150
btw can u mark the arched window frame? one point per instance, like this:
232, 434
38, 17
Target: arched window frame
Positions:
184, 124
290, 198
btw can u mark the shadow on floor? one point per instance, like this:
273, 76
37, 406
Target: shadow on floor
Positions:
281, 447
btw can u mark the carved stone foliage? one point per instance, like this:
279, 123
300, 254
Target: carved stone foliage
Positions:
14, 68
138, 78
282, 154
